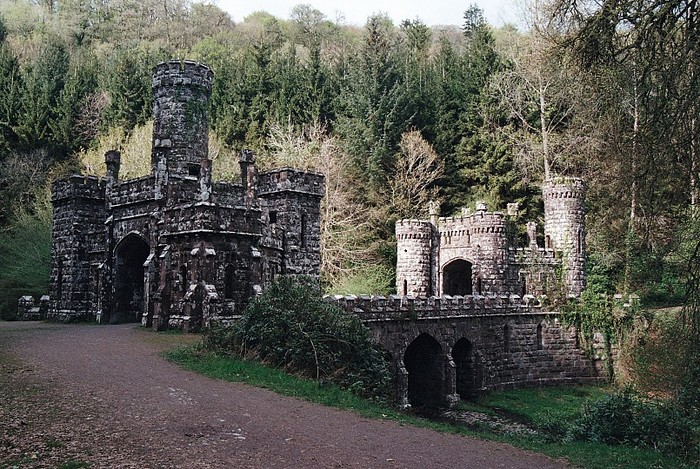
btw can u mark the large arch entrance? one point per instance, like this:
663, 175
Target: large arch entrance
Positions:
129, 256
425, 363
457, 278
468, 380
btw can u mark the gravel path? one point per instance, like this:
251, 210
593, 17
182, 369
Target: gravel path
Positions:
101, 396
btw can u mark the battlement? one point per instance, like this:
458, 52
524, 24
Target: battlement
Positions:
394, 307
187, 73
476, 219
563, 188
291, 180
78, 186
413, 229
132, 191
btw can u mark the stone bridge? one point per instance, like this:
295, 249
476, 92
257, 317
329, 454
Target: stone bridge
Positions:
446, 348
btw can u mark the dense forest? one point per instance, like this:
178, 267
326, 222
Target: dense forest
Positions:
394, 115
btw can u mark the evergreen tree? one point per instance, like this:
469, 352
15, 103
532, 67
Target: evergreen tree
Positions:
374, 106
43, 82
128, 83
10, 89
460, 134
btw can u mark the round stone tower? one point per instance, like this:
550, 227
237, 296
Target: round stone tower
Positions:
414, 257
564, 227
181, 93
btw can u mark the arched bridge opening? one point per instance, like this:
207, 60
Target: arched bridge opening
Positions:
467, 381
129, 256
457, 278
425, 362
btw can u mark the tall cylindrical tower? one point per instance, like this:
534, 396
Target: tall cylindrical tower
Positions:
181, 93
564, 227
414, 261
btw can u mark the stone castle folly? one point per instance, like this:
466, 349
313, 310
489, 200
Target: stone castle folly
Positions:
477, 253
175, 248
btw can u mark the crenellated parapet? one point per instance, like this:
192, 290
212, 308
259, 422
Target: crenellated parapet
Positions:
187, 73
394, 307
291, 180
78, 187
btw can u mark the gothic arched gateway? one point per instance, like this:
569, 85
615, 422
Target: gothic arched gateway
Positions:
425, 362
129, 257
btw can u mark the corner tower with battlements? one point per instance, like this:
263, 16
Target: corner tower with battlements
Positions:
564, 228
476, 253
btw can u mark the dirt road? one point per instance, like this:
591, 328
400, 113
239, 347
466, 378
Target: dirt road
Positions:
101, 396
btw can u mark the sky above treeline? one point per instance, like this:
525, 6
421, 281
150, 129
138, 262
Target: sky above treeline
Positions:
356, 12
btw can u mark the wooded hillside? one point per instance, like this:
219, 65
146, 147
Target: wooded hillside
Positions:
395, 115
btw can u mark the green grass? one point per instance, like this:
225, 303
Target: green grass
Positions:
535, 405
529, 405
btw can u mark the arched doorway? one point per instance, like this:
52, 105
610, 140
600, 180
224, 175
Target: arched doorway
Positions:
425, 363
129, 257
468, 380
457, 278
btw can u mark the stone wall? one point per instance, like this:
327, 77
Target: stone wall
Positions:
180, 118
157, 247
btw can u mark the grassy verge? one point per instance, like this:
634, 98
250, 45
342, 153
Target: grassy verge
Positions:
531, 406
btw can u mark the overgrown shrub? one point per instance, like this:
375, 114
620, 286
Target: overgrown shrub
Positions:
290, 327
624, 418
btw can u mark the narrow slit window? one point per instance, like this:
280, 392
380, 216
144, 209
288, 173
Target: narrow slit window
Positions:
229, 281
303, 230
183, 278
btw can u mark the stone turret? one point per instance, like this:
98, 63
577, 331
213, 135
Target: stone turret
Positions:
181, 93
414, 243
564, 228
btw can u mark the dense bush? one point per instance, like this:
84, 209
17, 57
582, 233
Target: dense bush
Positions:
290, 327
625, 418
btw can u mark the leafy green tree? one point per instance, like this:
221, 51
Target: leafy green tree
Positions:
73, 101
25, 253
461, 136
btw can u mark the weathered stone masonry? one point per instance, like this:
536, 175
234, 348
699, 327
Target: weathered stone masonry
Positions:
173, 248
442, 349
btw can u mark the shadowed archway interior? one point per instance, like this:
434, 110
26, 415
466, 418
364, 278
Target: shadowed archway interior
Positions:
457, 278
425, 363
130, 255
